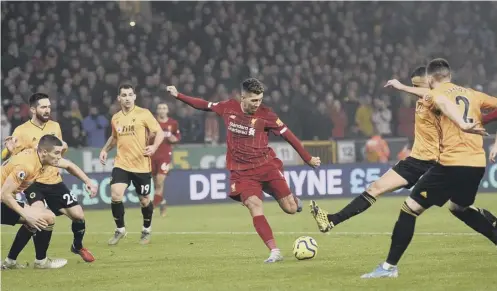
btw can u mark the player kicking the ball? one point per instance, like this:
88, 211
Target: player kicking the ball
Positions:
458, 174
253, 165
406, 173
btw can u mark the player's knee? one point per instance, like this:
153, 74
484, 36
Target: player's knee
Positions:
253, 203
49, 217
453, 207
116, 195
76, 213
38, 204
414, 206
144, 201
374, 189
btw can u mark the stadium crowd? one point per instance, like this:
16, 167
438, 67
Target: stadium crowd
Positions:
322, 62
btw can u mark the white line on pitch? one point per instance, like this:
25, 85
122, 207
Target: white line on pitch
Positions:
277, 233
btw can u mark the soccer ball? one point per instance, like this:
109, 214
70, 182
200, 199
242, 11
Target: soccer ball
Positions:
305, 247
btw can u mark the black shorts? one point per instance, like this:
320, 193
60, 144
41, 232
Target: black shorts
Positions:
412, 169
442, 183
141, 181
56, 196
9, 216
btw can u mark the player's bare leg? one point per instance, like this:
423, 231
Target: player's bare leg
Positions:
117, 192
147, 211
41, 240
78, 227
159, 200
289, 204
389, 182
254, 205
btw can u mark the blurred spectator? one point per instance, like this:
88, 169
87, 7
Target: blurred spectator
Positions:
83, 50
364, 116
67, 122
20, 108
405, 117
6, 126
16, 118
377, 150
75, 112
75, 139
339, 120
211, 129
406, 150
95, 125
382, 117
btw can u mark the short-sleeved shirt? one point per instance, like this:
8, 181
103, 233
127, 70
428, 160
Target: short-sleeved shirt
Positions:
248, 134
28, 135
24, 167
458, 148
132, 131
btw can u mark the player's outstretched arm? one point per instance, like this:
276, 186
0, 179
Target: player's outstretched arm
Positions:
418, 91
450, 110
76, 171
196, 103
295, 142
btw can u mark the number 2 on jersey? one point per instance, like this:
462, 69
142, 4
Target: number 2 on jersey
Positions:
466, 108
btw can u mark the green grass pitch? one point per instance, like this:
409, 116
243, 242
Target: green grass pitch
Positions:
214, 247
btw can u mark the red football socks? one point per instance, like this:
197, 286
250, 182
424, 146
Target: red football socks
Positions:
157, 199
264, 230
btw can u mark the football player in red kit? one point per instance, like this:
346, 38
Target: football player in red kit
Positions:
253, 165
161, 160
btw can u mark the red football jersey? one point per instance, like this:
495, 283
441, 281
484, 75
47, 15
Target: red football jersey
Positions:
170, 128
247, 135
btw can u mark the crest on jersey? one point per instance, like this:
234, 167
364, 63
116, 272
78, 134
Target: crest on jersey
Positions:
253, 121
232, 116
34, 138
32, 195
133, 120
279, 122
21, 175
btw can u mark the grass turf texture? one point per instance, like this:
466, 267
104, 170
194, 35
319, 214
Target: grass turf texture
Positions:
214, 247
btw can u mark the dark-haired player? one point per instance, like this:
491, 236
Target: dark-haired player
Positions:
20, 171
461, 166
48, 186
253, 165
404, 174
132, 128
161, 160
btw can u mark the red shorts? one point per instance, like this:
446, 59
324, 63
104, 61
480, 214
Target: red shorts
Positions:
268, 178
161, 165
